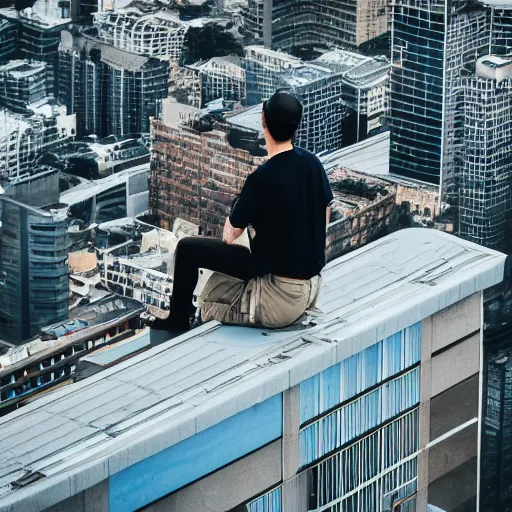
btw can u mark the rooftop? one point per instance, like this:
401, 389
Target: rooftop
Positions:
370, 156
249, 119
261, 50
81, 434
22, 68
84, 321
10, 123
87, 190
304, 75
41, 15
228, 62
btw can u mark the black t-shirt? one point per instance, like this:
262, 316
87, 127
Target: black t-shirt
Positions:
285, 201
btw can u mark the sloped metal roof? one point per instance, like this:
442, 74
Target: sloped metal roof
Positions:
80, 435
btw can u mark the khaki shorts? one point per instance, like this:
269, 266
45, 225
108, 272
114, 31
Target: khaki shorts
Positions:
268, 301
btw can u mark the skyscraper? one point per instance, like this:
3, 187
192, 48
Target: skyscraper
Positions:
430, 46
33, 270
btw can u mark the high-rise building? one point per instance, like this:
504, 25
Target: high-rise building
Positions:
435, 50
431, 45
496, 432
34, 282
485, 179
365, 83
111, 91
39, 29
221, 77
344, 94
321, 93
370, 406
23, 137
291, 25
25, 83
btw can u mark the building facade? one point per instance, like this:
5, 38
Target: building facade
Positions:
497, 438
38, 30
485, 181
8, 38
291, 25
195, 175
22, 138
34, 281
344, 94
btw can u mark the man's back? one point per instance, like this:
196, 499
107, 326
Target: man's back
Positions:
285, 201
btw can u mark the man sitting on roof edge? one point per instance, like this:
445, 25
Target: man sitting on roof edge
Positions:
286, 202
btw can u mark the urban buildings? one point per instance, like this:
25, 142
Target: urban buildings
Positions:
38, 29
292, 25
124, 194
33, 270
112, 91
40, 188
365, 91
435, 80
185, 86
51, 359
371, 406
361, 210
496, 437
22, 138
99, 158
321, 93
264, 68
430, 48
158, 34
25, 83
221, 77
344, 94
485, 183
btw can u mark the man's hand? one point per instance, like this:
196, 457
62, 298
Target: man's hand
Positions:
230, 233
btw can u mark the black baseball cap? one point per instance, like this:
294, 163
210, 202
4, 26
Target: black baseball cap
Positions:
283, 114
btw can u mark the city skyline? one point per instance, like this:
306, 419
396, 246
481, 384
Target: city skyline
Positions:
127, 125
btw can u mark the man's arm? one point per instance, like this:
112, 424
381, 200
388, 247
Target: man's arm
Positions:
230, 233
244, 210
327, 217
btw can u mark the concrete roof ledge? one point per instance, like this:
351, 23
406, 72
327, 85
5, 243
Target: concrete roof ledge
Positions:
163, 396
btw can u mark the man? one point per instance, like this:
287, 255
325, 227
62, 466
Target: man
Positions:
286, 202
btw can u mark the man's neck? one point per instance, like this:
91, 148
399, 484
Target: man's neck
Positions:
274, 148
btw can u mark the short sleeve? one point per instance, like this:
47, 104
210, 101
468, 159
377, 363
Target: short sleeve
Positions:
328, 197
245, 207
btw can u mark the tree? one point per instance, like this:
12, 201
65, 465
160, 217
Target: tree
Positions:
209, 41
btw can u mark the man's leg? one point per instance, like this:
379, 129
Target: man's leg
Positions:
193, 253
